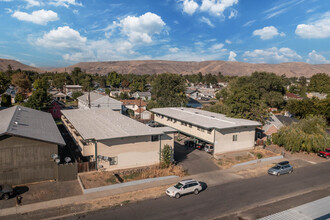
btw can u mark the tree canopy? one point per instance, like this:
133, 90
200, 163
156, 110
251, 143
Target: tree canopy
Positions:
320, 82
307, 135
169, 90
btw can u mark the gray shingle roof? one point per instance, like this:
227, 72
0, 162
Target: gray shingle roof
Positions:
29, 123
103, 123
95, 97
205, 119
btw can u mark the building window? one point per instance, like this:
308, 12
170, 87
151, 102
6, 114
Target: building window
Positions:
190, 125
113, 160
209, 131
235, 137
154, 138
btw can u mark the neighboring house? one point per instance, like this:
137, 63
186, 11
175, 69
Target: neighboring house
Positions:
12, 91
94, 100
55, 109
292, 96
208, 92
116, 141
57, 95
316, 95
192, 93
274, 123
138, 106
115, 93
69, 89
224, 133
28, 139
142, 95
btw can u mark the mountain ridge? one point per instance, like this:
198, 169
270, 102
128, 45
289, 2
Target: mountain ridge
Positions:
290, 69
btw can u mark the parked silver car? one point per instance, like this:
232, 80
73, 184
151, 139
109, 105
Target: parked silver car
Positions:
281, 168
184, 187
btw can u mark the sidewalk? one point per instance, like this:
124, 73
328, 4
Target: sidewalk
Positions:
210, 178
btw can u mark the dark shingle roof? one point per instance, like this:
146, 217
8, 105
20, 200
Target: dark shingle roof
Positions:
286, 120
29, 123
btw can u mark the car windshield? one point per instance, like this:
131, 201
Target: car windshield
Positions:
327, 150
277, 167
178, 185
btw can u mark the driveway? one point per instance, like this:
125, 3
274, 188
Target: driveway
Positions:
193, 160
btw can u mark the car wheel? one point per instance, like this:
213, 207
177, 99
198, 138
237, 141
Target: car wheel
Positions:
196, 191
5, 196
327, 157
278, 174
177, 195
290, 171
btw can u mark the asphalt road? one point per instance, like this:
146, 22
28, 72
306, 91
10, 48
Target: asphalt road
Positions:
219, 200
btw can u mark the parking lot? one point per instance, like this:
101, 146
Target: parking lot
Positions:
193, 160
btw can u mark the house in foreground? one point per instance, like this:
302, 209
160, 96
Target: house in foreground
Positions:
116, 141
28, 138
224, 133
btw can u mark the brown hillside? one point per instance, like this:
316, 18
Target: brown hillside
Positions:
214, 67
16, 65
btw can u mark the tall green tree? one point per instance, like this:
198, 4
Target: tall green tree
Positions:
22, 82
113, 79
5, 100
168, 90
4, 82
39, 100
320, 82
307, 135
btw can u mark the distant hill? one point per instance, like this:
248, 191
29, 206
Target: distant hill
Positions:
214, 67
181, 67
16, 65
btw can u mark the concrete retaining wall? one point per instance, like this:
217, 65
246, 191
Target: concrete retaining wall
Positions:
259, 161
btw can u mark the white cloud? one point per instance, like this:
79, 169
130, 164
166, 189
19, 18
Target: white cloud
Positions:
141, 29
216, 46
267, 33
189, 6
233, 14
174, 50
216, 7
38, 17
62, 38
228, 41
232, 56
316, 58
65, 3
271, 55
317, 29
249, 23
8, 10
32, 3
75, 11
206, 21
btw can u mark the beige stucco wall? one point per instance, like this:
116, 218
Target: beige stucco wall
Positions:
193, 131
132, 151
224, 140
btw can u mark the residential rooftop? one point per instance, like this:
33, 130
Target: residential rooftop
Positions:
29, 123
103, 124
95, 97
138, 102
205, 119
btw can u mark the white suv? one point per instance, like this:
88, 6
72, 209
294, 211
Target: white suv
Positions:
184, 187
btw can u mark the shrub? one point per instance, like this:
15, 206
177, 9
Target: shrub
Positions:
307, 135
259, 155
167, 156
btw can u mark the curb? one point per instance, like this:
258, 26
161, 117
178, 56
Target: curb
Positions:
259, 161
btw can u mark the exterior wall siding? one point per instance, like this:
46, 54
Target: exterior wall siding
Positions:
25, 160
133, 151
193, 131
224, 140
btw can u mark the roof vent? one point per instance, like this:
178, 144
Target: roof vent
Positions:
196, 113
19, 109
16, 123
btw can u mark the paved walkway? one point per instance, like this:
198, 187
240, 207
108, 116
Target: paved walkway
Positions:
319, 209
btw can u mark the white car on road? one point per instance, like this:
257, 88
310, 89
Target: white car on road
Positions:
184, 187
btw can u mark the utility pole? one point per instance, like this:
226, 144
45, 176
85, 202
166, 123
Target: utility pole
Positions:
89, 98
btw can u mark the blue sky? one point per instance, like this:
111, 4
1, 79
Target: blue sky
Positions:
52, 33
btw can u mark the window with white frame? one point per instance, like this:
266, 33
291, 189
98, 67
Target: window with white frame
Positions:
235, 137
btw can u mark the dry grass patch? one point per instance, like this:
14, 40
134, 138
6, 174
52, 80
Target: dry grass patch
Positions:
227, 161
104, 178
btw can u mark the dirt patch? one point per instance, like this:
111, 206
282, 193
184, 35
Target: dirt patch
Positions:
228, 160
104, 178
